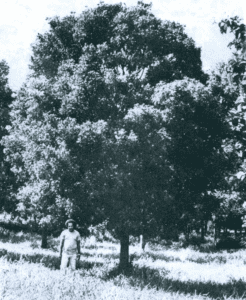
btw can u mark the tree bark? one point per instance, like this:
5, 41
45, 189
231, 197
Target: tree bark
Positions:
44, 243
124, 251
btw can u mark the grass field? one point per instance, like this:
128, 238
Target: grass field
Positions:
161, 272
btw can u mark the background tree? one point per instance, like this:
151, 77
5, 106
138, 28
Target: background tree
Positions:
196, 122
39, 147
227, 84
230, 213
7, 180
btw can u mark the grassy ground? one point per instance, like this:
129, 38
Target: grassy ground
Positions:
161, 272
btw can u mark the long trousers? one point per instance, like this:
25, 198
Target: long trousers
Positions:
68, 261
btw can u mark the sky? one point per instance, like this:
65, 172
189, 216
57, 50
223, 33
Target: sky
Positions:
22, 20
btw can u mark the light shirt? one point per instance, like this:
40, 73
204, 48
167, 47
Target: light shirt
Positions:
70, 241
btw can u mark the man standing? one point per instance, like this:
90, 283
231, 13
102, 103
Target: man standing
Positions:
69, 246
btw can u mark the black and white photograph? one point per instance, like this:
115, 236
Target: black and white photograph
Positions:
122, 150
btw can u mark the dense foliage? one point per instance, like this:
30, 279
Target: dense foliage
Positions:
124, 39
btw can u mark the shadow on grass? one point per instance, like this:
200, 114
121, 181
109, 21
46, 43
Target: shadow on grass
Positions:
11, 237
134, 256
142, 277
49, 261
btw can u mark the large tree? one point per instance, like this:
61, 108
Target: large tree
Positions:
87, 138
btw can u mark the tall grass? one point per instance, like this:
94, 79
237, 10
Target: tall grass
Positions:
23, 280
162, 272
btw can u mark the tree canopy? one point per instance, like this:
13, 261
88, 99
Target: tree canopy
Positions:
125, 39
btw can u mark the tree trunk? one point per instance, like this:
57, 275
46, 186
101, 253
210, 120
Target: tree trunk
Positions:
215, 233
142, 241
124, 251
44, 243
206, 227
35, 225
202, 232
187, 233
217, 230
